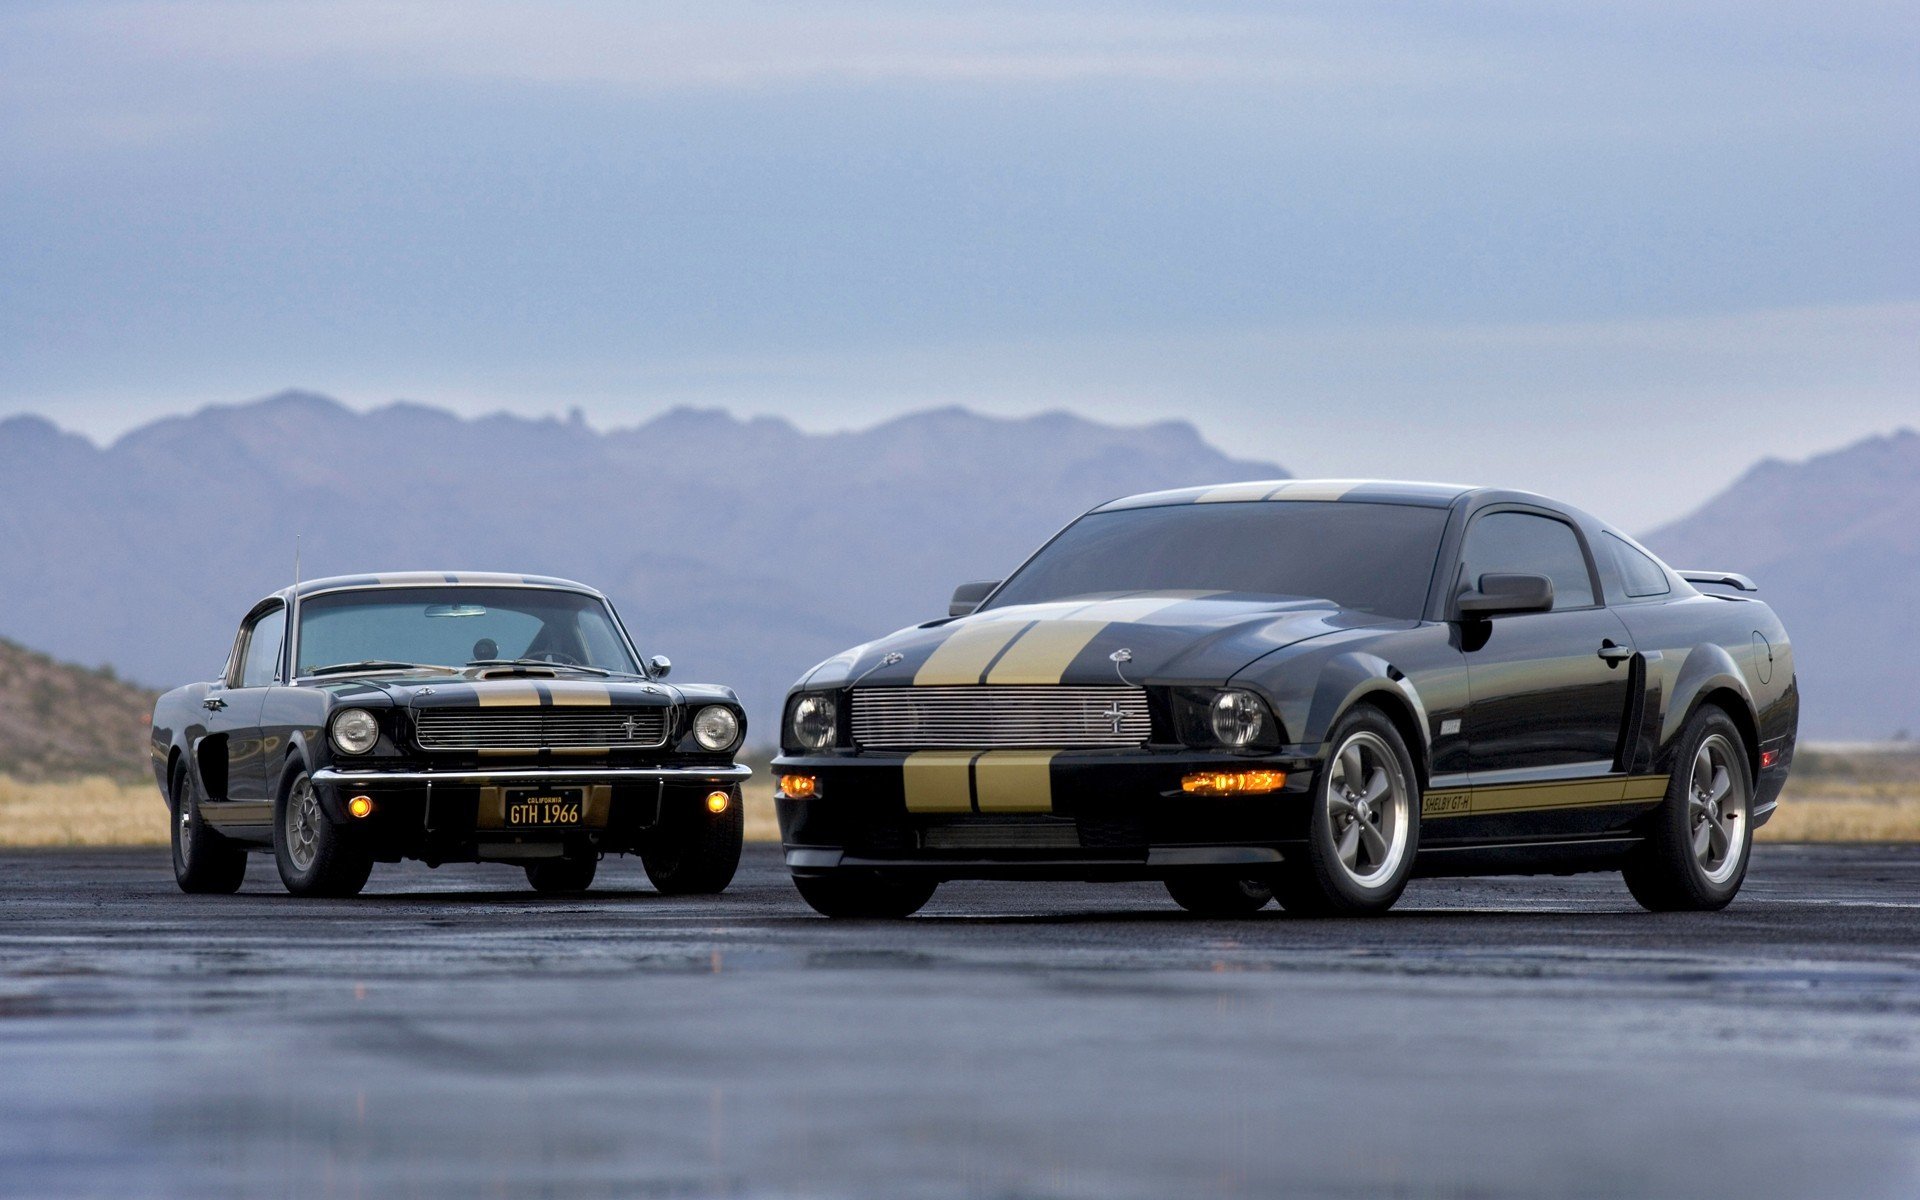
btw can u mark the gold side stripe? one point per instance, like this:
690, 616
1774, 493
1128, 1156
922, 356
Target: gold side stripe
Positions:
1646, 787
1014, 781
1542, 797
939, 781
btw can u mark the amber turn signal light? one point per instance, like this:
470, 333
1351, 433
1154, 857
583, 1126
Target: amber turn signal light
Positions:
360, 806
799, 787
717, 802
1233, 783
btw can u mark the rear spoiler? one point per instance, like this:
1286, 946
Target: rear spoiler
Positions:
1739, 583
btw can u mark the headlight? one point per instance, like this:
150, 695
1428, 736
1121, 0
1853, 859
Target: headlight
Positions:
355, 731
814, 723
1238, 718
716, 727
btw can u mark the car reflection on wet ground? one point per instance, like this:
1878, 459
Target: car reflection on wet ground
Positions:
453, 1034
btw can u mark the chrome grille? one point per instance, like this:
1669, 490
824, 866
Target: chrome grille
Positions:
538, 728
968, 717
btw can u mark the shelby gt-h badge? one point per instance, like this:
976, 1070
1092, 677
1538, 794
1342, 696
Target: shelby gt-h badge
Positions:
499, 718
1305, 689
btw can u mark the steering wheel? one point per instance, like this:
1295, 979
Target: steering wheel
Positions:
559, 658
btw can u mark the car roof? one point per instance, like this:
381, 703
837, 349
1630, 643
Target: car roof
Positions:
414, 579
1359, 491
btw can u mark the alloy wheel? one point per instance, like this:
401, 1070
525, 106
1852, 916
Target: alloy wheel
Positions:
1716, 805
1368, 808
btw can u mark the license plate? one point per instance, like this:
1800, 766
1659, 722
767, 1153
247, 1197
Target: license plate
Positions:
562, 808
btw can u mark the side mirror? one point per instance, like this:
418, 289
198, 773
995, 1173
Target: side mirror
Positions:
659, 666
1508, 593
968, 596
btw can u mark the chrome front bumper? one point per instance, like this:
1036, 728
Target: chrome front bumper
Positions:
734, 773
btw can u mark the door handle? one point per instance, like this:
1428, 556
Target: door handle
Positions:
213, 704
1614, 655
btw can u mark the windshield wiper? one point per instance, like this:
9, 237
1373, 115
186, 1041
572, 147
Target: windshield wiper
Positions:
376, 664
536, 662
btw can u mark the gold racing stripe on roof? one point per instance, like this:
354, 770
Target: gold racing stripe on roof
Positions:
1014, 781
1236, 491
1312, 489
938, 781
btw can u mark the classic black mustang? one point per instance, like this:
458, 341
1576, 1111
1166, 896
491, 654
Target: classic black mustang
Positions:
447, 717
1305, 689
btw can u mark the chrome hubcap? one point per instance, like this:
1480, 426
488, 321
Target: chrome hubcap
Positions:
1716, 805
303, 825
1368, 808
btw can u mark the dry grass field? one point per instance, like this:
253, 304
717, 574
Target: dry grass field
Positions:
1862, 797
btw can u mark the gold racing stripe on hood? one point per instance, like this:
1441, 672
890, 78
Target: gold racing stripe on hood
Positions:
938, 781
1014, 781
577, 694
962, 657
1044, 652
503, 694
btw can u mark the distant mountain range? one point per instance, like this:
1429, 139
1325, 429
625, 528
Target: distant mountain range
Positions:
58, 721
1834, 543
747, 550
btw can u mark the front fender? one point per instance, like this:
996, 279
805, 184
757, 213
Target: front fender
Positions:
1308, 709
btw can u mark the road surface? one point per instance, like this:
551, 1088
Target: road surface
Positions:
451, 1034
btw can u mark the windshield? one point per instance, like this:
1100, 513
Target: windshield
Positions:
459, 626
1376, 558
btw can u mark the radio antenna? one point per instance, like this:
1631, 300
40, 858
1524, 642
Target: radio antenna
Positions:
296, 562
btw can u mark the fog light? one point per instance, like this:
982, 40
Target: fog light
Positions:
1233, 783
717, 802
360, 806
799, 787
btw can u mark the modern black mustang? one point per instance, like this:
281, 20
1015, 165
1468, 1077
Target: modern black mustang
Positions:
447, 717
1305, 689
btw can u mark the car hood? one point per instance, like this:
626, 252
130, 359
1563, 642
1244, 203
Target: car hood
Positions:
478, 688
1166, 637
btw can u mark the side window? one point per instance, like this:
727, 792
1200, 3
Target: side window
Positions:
262, 662
1640, 575
1533, 545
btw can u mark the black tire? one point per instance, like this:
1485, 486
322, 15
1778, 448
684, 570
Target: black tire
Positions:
865, 894
325, 859
1315, 881
1219, 895
1666, 873
562, 876
694, 852
204, 863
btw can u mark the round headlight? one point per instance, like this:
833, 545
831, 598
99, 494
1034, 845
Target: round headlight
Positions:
1238, 718
715, 727
355, 731
813, 722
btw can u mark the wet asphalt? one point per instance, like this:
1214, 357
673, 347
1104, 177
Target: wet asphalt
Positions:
451, 1034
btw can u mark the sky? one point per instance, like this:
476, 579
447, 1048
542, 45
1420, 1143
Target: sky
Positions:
1615, 252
